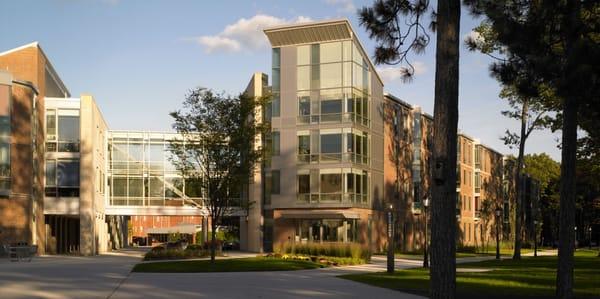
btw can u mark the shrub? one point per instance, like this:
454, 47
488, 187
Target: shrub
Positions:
329, 249
160, 253
466, 249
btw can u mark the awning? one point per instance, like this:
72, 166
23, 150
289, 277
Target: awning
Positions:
319, 214
182, 229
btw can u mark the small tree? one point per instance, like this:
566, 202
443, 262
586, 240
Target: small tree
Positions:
218, 152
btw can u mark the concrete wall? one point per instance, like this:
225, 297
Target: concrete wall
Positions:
93, 158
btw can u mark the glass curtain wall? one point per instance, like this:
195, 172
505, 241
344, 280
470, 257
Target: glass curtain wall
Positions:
346, 185
5, 130
62, 130
326, 230
335, 145
333, 83
142, 174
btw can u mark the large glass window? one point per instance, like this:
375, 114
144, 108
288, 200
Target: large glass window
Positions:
331, 183
303, 55
276, 143
119, 186
136, 187
275, 182
331, 143
67, 178
303, 183
303, 80
331, 52
68, 131
51, 124
331, 75
173, 187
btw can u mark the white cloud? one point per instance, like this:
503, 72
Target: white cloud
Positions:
344, 6
244, 34
393, 73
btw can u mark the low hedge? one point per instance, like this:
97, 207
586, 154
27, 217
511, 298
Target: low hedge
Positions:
330, 249
161, 253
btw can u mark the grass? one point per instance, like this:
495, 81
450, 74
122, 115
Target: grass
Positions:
227, 265
528, 278
491, 252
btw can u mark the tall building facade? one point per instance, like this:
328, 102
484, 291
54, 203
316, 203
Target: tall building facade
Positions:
339, 156
324, 180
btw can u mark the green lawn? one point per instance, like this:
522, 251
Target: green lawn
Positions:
226, 265
530, 277
490, 252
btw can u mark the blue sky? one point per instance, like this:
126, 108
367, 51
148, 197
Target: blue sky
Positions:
138, 58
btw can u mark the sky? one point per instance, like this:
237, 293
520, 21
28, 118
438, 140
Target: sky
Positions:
140, 58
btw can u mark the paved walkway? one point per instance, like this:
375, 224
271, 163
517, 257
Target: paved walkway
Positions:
108, 276
58, 277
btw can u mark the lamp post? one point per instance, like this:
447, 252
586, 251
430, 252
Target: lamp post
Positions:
575, 237
590, 233
390, 233
425, 253
535, 238
498, 212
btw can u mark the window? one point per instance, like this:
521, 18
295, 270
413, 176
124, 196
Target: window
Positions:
303, 55
304, 144
303, 183
119, 186
275, 182
331, 183
303, 104
275, 105
173, 187
331, 52
331, 75
135, 187
63, 174
276, 143
303, 80
51, 124
68, 130
331, 144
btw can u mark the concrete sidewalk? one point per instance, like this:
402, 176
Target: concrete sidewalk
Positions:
66, 276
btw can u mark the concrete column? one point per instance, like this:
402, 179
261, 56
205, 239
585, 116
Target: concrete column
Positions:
87, 233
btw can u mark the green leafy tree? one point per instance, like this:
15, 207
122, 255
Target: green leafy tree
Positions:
547, 172
218, 151
556, 44
397, 26
529, 104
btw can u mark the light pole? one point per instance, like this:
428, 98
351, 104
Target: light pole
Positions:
575, 237
590, 233
390, 233
425, 253
498, 213
535, 238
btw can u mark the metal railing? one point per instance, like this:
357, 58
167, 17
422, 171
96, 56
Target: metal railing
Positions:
347, 117
347, 198
333, 157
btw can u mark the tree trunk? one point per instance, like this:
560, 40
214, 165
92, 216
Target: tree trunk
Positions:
443, 203
566, 244
518, 175
213, 236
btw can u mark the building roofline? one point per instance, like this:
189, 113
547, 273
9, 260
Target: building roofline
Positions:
49, 66
343, 21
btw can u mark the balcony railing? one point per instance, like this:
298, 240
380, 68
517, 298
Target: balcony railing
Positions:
348, 198
348, 117
333, 158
